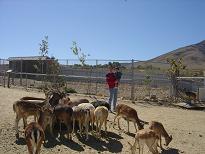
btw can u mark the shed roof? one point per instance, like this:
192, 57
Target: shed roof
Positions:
28, 58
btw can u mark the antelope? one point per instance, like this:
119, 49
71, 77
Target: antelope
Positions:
46, 118
129, 114
91, 108
23, 109
101, 115
101, 103
145, 136
83, 117
26, 107
63, 113
34, 136
158, 128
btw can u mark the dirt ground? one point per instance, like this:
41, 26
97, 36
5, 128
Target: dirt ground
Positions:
186, 126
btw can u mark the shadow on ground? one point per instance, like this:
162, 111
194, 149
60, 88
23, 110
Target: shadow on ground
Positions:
108, 142
20, 141
52, 142
170, 151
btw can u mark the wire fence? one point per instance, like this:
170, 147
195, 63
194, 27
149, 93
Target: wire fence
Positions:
90, 79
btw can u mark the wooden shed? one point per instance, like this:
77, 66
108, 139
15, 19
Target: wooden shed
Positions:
32, 64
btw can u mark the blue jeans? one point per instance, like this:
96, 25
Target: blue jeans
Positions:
113, 98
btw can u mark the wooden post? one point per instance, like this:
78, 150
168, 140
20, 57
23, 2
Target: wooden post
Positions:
8, 82
4, 79
132, 83
12, 79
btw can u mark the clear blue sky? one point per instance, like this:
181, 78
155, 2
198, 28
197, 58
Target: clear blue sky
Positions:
106, 29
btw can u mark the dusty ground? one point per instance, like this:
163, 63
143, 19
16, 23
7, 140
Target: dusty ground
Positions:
187, 128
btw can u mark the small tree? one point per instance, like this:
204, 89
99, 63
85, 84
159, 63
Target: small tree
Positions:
43, 50
176, 67
77, 51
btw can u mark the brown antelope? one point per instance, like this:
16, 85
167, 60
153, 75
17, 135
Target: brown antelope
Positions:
63, 114
101, 115
129, 114
142, 137
34, 136
83, 117
23, 109
46, 118
158, 128
91, 108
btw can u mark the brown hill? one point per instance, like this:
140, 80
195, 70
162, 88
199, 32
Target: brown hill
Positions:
193, 57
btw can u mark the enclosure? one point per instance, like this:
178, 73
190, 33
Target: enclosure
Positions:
90, 79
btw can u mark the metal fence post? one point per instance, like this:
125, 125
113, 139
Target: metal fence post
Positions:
4, 75
132, 82
96, 85
21, 73
26, 81
67, 62
89, 81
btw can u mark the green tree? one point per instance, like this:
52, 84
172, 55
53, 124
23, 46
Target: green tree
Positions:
76, 50
44, 47
176, 67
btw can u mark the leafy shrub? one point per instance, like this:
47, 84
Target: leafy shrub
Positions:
70, 90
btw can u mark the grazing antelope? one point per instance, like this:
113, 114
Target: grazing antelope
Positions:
129, 114
91, 108
101, 103
101, 115
34, 136
23, 109
83, 117
63, 114
46, 118
158, 128
26, 107
142, 137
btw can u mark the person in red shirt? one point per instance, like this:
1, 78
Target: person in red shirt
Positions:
111, 82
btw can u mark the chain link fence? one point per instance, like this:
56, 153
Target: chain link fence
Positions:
139, 79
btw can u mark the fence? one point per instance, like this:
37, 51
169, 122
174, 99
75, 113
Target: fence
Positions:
90, 79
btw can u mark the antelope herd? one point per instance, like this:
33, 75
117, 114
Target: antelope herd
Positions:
58, 108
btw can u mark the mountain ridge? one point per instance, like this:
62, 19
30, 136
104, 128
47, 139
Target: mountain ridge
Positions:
193, 57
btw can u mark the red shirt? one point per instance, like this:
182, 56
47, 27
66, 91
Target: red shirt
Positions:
111, 80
